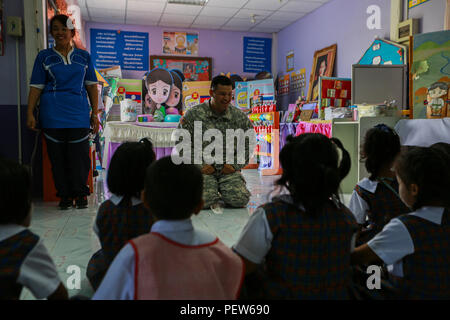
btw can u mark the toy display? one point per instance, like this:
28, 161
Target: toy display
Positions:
431, 74
145, 118
266, 122
384, 52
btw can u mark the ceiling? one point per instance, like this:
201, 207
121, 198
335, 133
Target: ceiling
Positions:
235, 15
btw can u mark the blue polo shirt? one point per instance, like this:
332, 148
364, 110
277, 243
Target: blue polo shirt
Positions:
63, 101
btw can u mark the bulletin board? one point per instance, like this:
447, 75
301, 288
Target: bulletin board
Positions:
334, 92
194, 69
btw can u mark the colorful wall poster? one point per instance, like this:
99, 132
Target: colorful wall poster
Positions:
180, 43
257, 54
261, 90
384, 52
194, 93
414, 3
298, 81
242, 97
127, 49
194, 69
431, 74
129, 89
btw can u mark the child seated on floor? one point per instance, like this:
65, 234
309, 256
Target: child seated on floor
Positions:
174, 261
123, 216
375, 200
416, 246
300, 243
24, 260
442, 146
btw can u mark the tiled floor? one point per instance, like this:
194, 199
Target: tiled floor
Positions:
70, 240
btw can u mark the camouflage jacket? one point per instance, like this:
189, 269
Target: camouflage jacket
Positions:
202, 118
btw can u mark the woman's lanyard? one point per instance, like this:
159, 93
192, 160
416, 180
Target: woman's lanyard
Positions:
383, 181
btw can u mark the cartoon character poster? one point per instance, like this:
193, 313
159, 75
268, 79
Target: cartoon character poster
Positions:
241, 96
431, 74
180, 43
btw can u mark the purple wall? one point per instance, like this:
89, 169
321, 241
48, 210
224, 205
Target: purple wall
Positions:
339, 21
344, 22
8, 77
225, 47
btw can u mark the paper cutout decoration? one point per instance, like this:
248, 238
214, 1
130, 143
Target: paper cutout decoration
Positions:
384, 52
431, 65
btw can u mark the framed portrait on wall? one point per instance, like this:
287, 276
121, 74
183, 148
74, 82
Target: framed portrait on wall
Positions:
323, 66
194, 69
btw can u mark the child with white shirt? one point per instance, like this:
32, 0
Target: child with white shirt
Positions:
375, 200
298, 245
174, 261
24, 260
416, 246
123, 216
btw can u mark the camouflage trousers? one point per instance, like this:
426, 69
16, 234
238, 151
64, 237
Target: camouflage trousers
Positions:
230, 188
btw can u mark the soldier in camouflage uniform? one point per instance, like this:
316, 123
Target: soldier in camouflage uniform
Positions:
222, 179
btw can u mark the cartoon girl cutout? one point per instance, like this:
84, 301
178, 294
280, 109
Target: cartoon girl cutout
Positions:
175, 100
158, 81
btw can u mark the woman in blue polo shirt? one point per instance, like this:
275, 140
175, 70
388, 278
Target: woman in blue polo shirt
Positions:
63, 77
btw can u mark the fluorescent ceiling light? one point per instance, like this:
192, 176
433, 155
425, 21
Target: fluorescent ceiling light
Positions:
189, 2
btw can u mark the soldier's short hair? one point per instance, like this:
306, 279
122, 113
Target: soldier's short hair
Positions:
222, 80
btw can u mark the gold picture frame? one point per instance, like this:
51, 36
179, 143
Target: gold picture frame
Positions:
326, 55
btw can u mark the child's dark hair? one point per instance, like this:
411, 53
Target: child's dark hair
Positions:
126, 173
381, 147
428, 169
443, 147
15, 192
159, 74
173, 191
312, 171
62, 18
